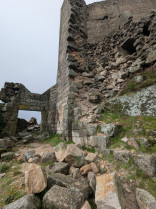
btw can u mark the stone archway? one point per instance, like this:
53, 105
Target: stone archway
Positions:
16, 97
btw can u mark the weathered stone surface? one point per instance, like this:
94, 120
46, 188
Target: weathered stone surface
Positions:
60, 151
60, 167
110, 129
7, 156
95, 98
28, 138
34, 160
151, 56
123, 156
86, 205
145, 199
100, 142
146, 162
108, 192
6, 143
35, 179
74, 156
92, 181
68, 182
94, 167
29, 154
138, 103
77, 174
48, 157
26, 202
85, 169
131, 142
91, 157
62, 198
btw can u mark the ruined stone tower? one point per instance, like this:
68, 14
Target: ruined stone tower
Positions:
101, 46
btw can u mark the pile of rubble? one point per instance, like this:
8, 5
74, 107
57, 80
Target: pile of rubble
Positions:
71, 179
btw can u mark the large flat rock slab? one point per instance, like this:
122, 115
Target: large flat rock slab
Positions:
108, 193
62, 198
35, 179
68, 182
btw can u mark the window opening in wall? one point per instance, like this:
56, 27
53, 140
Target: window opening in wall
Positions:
146, 31
128, 46
24, 120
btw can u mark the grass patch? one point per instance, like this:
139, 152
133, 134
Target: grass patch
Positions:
109, 158
54, 140
12, 184
14, 195
89, 149
44, 165
149, 77
145, 182
4, 167
128, 123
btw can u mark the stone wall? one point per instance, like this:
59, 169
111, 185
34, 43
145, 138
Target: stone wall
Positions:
108, 16
102, 46
17, 97
72, 37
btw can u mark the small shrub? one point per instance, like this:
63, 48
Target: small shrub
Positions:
4, 167
89, 149
15, 195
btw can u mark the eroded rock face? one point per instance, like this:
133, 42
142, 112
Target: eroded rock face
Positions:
35, 179
108, 193
48, 157
68, 182
123, 156
110, 129
91, 157
74, 156
6, 143
60, 197
100, 142
26, 202
138, 103
145, 199
60, 151
59, 167
146, 162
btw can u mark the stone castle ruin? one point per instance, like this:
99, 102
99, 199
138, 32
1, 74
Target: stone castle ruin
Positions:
102, 46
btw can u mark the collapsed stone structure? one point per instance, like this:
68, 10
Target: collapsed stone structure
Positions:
102, 46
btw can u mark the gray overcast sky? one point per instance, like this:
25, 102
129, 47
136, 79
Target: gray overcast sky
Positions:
29, 40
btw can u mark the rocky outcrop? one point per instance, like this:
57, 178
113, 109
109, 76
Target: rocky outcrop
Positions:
28, 201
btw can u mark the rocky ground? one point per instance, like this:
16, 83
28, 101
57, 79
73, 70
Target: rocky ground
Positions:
45, 172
